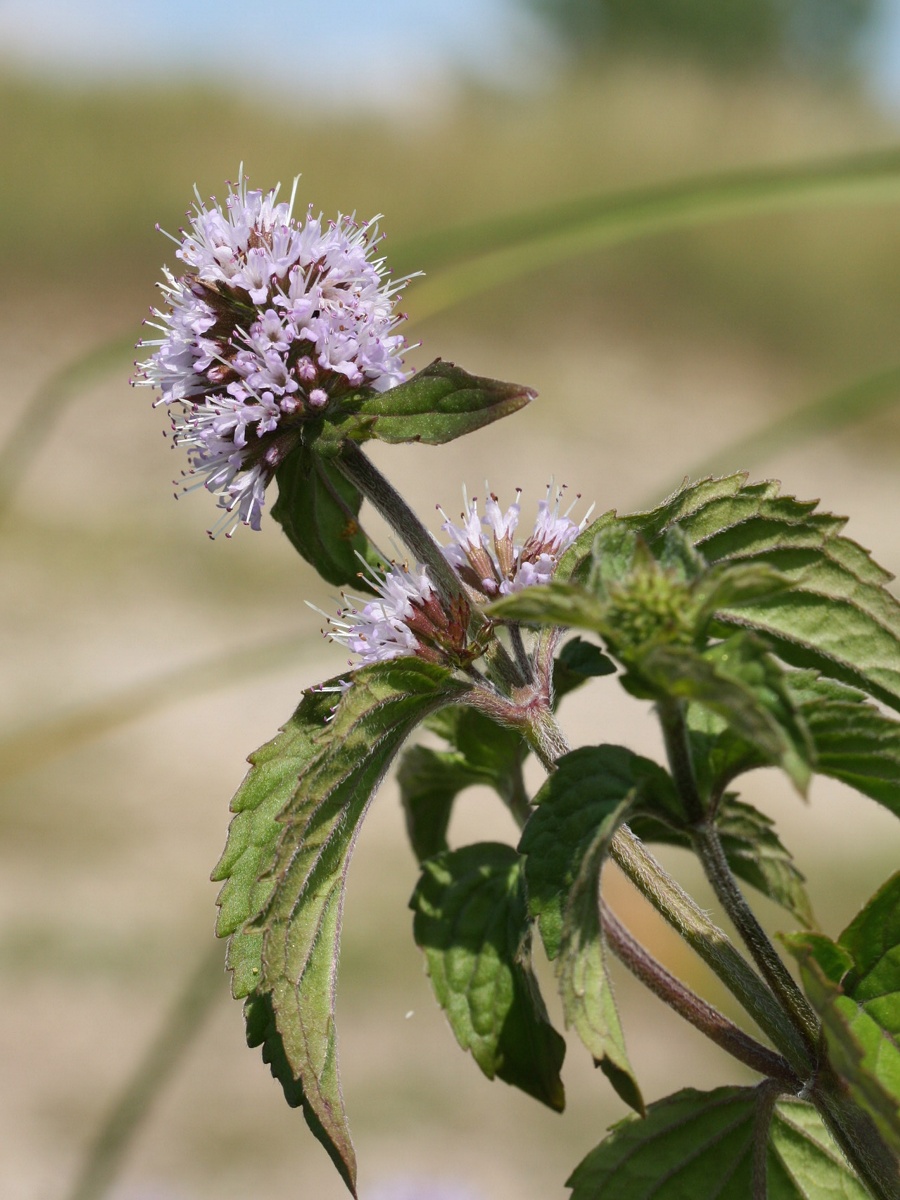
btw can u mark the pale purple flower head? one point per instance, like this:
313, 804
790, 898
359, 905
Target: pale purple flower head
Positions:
273, 321
408, 618
484, 553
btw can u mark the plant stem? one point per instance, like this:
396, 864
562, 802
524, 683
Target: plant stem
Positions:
855, 1133
363, 473
678, 752
708, 845
691, 922
693, 1008
712, 945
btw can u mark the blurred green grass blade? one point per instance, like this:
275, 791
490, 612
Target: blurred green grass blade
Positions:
106, 1154
36, 744
45, 407
506, 249
826, 414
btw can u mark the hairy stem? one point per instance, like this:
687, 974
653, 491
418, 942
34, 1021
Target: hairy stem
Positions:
691, 922
678, 752
363, 473
855, 1133
708, 845
693, 1008
712, 945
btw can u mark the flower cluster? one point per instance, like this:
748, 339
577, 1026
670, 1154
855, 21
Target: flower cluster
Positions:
496, 566
274, 321
410, 618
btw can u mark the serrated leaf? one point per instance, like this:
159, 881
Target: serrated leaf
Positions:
744, 685
553, 603
584, 984
471, 923
584, 790
863, 1053
853, 740
301, 920
752, 848
838, 617
254, 832
440, 403
317, 507
700, 1146
873, 939
579, 808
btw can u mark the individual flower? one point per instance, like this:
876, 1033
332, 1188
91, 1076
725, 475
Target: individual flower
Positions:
485, 555
272, 322
408, 618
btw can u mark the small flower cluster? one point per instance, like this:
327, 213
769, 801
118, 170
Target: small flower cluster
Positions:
274, 320
409, 618
497, 566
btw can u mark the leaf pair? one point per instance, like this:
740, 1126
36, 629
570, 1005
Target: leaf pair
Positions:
284, 869
318, 507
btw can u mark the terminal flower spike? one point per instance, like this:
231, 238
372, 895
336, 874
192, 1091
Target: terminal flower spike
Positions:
273, 320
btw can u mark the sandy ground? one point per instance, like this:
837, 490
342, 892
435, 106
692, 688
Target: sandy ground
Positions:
106, 849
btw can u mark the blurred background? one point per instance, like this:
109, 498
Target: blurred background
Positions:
142, 662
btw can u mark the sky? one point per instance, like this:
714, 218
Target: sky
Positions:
342, 53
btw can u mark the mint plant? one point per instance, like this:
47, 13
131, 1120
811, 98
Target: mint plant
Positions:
759, 633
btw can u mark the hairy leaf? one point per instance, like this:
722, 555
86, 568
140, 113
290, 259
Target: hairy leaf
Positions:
853, 740
838, 616
301, 919
565, 839
753, 850
254, 832
318, 509
701, 1146
744, 685
438, 404
471, 921
854, 984
873, 939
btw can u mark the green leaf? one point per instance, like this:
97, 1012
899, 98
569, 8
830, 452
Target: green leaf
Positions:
752, 847
700, 1146
860, 1050
317, 507
430, 780
838, 616
576, 663
853, 740
301, 919
744, 685
472, 924
579, 808
438, 404
553, 603
873, 939
254, 832
584, 983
